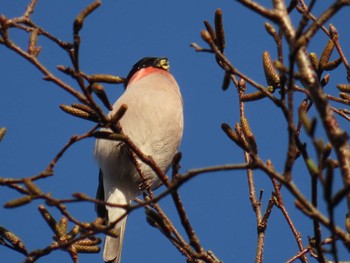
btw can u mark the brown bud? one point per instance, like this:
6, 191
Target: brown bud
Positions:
242, 141
2, 133
89, 242
326, 54
325, 80
344, 95
106, 78
73, 232
210, 30
18, 202
333, 64
344, 87
101, 94
230, 133
226, 81
48, 218
206, 36
32, 187
249, 135
87, 249
257, 95
219, 30
314, 60
14, 240
79, 20
62, 226
74, 111
309, 125
303, 108
119, 113
279, 66
270, 29
83, 107
271, 74
79, 113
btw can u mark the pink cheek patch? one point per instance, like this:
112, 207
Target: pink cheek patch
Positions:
145, 72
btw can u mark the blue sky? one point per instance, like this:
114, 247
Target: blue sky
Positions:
114, 37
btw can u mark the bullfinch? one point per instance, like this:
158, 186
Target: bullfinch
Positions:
154, 123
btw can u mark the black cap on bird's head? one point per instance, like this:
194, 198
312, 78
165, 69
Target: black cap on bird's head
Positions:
161, 63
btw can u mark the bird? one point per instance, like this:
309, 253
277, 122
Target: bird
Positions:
154, 122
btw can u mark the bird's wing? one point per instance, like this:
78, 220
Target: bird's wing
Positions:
100, 195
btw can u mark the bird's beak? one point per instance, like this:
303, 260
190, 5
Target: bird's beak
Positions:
164, 64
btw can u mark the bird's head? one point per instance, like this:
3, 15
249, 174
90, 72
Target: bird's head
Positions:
154, 62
